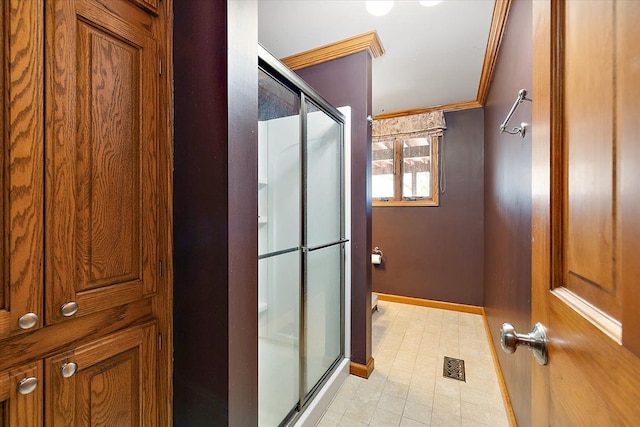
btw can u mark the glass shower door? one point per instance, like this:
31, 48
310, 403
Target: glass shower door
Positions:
278, 251
323, 257
300, 243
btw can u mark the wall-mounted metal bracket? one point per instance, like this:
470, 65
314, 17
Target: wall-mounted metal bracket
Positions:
522, 130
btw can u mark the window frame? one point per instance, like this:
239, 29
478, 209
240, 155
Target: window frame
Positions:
398, 200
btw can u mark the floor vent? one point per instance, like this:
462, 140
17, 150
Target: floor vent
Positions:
453, 368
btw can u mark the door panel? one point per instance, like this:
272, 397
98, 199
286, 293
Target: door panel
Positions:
16, 409
322, 343
586, 211
589, 370
21, 156
114, 383
589, 116
102, 155
323, 178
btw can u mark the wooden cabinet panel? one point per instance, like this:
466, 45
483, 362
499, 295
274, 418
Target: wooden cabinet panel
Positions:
114, 384
21, 163
79, 210
17, 409
101, 156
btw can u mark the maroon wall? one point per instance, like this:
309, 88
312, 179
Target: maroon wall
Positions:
347, 81
215, 205
437, 252
507, 280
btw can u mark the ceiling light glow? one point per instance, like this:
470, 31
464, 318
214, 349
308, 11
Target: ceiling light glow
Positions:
429, 3
379, 7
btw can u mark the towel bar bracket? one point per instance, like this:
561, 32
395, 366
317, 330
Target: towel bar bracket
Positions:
522, 130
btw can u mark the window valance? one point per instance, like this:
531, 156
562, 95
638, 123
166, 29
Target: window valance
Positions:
406, 127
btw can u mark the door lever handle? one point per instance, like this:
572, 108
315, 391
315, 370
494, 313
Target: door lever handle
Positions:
536, 341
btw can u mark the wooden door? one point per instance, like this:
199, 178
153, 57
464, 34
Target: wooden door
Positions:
21, 165
111, 384
586, 211
101, 156
21, 403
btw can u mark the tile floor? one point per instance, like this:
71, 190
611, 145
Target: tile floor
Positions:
407, 387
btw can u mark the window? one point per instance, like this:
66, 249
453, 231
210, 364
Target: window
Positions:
405, 171
405, 159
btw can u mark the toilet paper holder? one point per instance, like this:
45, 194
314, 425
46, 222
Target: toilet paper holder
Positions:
376, 256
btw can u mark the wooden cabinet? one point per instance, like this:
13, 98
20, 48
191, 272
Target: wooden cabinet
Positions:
21, 159
84, 214
21, 396
109, 382
101, 155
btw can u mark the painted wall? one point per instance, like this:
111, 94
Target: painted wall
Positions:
507, 280
437, 252
347, 81
215, 186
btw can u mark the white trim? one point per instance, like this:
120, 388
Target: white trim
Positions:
313, 413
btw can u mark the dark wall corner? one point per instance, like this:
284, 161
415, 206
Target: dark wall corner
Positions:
215, 137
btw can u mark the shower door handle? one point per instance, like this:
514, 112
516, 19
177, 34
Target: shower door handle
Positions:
536, 341
315, 248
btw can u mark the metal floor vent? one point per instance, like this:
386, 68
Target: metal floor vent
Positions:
453, 368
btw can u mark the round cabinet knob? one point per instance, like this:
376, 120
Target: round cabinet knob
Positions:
27, 385
28, 321
69, 369
69, 309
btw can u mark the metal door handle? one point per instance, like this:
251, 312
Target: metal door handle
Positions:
536, 341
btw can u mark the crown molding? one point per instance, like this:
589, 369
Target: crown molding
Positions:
369, 42
498, 24
458, 106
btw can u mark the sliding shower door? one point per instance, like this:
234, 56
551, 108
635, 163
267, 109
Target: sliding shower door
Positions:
323, 246
300, 243
279, 235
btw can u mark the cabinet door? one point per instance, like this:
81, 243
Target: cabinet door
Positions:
101, 156
110, 382
21, 165
21, 396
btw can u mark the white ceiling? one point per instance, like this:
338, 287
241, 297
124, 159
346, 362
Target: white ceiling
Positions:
433, 55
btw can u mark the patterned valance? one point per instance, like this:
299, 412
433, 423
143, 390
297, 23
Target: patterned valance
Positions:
413, 126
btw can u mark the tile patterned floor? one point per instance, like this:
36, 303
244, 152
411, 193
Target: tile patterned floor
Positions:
407, 387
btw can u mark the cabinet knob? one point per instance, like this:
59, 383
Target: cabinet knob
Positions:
28, 321
69, 309
69, 369
27, 385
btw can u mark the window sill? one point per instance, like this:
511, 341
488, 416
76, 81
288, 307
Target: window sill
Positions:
394, 203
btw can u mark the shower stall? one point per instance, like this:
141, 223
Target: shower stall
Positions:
302, 243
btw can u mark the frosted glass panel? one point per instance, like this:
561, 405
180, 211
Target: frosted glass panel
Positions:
278, 336
323, 178
278, 167
322, 312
